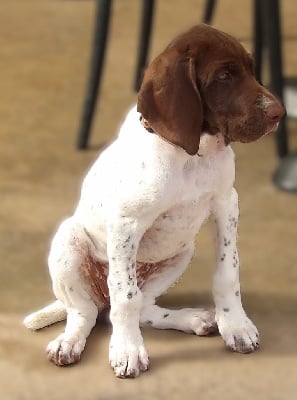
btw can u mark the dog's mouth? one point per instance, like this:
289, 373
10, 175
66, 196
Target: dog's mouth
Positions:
247, 133
271, 128
244, 132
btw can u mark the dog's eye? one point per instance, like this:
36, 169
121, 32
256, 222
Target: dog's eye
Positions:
224, 76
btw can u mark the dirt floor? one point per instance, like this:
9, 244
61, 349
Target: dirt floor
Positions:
44, 58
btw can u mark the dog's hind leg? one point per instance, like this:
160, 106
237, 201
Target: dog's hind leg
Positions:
192, 320
70, 248
199, 321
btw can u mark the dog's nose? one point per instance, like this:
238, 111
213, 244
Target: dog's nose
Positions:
274, 111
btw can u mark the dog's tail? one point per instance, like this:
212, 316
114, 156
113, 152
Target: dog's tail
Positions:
48, 315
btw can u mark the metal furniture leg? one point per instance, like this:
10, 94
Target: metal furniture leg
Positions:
208, 11
258, 38
102, 19
285, 176
272, 28
145, 39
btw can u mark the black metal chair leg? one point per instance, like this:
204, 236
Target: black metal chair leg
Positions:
273, 34
285, 177
144, 42
96, 67
208, 11
258, 38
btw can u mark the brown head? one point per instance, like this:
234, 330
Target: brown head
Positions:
204, 82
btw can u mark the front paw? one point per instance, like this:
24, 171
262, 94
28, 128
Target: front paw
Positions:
127, 357
65, 350
239, 334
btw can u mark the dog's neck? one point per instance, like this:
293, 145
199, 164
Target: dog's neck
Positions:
210, 144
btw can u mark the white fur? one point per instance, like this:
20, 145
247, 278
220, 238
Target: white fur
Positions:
48, 315
146, 199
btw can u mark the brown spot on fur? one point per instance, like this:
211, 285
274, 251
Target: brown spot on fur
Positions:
95, 273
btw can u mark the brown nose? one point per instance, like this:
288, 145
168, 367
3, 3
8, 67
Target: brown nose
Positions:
274, 111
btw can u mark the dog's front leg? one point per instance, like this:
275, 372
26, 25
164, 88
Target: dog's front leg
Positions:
127, 354
237, 330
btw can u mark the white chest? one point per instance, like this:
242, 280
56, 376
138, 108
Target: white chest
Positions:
173, 230
167, 193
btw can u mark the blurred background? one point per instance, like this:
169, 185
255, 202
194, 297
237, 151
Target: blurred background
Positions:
45, 50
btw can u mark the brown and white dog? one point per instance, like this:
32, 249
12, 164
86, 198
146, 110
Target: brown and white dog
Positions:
143, 201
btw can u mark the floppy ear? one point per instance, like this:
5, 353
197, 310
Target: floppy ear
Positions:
170, 101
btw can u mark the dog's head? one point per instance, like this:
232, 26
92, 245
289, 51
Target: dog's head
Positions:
204, 82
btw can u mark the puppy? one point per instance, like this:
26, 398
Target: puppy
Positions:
143, 201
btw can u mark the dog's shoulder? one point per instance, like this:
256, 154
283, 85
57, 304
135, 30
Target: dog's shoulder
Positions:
137, 155
136, 142
138, 170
